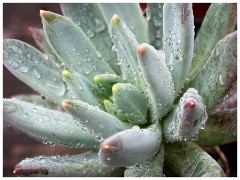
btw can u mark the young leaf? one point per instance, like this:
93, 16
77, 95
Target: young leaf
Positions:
219, 73
30, 66
221, 128
106, 81
130, 103
82, 165
187, 118
89, 18
178, 43
149, 168
155, 24
131, 15
79, 87
220, 20
126, 46
100, 122
72, 46
189, 160
53, 127
158, 80
40, 39
119, 149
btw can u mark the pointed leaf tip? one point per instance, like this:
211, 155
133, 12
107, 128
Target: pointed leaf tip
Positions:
116, 19
141, 49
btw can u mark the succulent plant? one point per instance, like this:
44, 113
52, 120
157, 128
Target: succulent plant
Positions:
136, 90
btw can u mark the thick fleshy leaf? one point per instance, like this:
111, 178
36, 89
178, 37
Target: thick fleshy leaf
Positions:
131, 146
131, 15
72, 46
89, 18
187, 159
38, 100
228, 102
31, 66
125, 44
187, 118
53, 127
79, 87
106, 81
40, 39
100, 122
221, 128
82, 165
111, 109
219, 73
149, 168
130, 103
155, 24
158, 80
220, 20
178, 42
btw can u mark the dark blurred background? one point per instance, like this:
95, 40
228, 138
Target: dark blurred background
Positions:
17, 17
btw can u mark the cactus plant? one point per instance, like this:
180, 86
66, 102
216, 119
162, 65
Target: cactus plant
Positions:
137, 91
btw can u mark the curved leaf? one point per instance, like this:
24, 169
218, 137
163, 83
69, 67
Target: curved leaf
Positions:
100, 122
155, 24
219, 73
131, 15
187, 118
158, 80
189, 160
72, 46
149, 168
30, 66
119, 149
220, 20
178, 43
53, 127
40, 39
82, 165
126, 46
221, 128
79, 87
89, 18
106, 81
130, 103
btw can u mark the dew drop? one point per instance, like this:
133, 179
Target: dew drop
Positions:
99, 25
36, 73
23, 69
221, 80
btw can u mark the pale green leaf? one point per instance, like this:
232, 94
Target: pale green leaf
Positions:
131, 15
149, 168
82, 165
158, 80
72, 46
125, 44
131, 146
100, 122
41, 41
178, 42
30, 66
89, 18
155, 24
53, 127
130, 103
